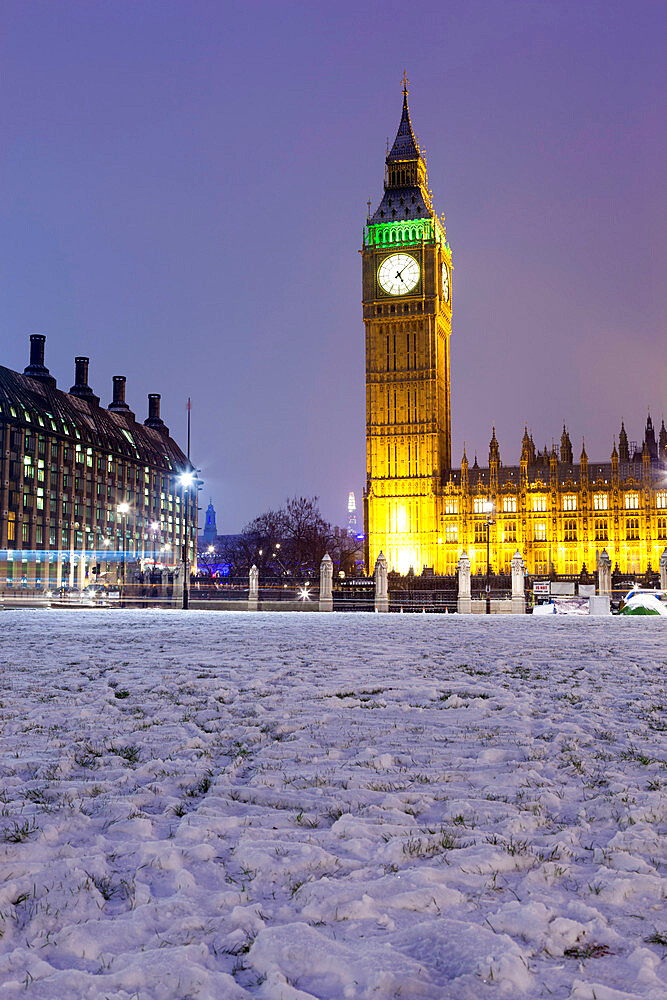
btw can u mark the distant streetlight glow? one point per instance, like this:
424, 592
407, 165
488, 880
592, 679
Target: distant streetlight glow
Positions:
123, 509
186, 479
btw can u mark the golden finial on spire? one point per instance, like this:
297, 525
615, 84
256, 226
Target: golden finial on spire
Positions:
406, 83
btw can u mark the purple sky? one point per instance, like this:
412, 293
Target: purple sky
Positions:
183, 188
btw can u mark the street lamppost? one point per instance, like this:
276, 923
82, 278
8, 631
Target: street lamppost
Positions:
123, 509
276, 557
186, 479
155, 527
106, 542
210, 553
488, 510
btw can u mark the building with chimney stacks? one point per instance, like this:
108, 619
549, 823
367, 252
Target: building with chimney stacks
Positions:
87, 492
558, 513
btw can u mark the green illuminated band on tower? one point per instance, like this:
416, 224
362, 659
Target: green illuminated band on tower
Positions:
405, 233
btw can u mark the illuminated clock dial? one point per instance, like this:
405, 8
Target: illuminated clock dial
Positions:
398, 274
445, 283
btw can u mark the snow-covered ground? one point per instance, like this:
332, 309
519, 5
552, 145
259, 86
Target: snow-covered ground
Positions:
288, 806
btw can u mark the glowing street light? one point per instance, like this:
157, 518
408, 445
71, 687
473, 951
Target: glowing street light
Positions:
304, 593
123, 509
187, 480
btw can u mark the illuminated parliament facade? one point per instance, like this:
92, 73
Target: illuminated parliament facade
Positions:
560, 514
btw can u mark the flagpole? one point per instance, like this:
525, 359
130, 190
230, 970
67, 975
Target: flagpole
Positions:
186, 547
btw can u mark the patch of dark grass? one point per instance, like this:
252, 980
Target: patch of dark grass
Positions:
130, 753
200, 788
16, 833
587, 951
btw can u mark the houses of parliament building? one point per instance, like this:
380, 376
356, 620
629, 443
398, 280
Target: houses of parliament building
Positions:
558, 512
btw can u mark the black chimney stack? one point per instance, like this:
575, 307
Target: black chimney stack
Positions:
81, 387
36, 368
154, 420
118, 403
154, 405
81, 372
37, 341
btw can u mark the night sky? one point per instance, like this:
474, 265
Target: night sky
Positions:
183, 188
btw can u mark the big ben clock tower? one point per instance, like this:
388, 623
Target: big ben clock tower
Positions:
407, 306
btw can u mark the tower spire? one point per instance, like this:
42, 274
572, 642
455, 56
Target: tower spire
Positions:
405, 145
623, 448
406, 195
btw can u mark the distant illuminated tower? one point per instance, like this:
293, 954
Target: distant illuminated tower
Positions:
407, 303
351, 514
210, 529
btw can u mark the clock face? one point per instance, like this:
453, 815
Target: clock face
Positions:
445, 283
398, 274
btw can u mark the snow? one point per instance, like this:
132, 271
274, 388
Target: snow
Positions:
294, 806
648, 601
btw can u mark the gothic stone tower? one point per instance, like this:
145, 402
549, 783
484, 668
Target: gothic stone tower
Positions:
407, 308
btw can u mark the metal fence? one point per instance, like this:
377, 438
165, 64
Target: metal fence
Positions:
355, 594
407, 594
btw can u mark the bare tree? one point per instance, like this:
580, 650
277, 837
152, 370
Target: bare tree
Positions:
289, 542
307, 535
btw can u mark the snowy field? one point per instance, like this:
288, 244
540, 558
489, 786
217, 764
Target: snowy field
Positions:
287, 806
